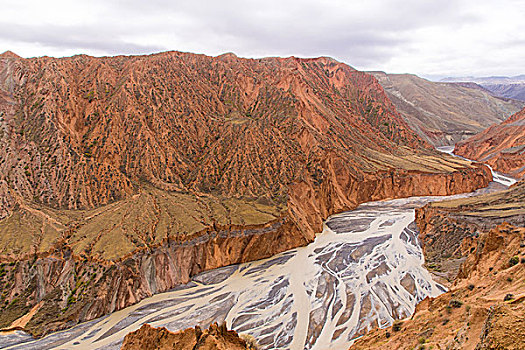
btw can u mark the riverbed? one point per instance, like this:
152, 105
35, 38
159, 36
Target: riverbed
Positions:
364, 270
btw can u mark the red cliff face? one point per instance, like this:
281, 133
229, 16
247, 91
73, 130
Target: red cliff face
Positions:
484, 309
214, 338
82, 131
475, 247
501, 146
124, 176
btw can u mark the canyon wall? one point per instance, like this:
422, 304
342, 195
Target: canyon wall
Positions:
65, 289
122, 177
502, 146
475, 247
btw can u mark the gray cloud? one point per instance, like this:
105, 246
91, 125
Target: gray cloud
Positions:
411, 35
73, 37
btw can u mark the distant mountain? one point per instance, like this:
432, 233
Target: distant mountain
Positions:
487, 80
445, 113
514, 90
509, 87
501, 146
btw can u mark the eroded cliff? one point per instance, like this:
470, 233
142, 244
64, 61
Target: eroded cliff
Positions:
124, 176
501, 146
475, 246
214, 338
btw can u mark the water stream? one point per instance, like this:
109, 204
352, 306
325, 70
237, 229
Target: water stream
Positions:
365, 269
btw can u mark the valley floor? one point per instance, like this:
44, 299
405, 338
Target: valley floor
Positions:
365, 270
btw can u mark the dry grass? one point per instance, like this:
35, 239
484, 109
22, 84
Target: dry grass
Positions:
499, 204
115, 230
427, 163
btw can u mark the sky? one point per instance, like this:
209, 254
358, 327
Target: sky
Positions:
433, 39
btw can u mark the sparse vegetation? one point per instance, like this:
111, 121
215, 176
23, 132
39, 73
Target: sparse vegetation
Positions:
514, 260
455, 303
396, 326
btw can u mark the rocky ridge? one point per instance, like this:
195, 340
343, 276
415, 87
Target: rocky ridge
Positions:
501, 146
122, 177
214, 338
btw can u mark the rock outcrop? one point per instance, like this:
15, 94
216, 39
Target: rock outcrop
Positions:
214, 338
445, 113
501, 146
480, 240
124, 176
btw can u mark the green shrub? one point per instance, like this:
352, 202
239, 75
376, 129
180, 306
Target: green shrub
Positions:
396, 327
455, 303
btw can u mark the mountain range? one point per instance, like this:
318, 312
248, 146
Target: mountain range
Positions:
445, 113
502, 146
508, 87
122, 177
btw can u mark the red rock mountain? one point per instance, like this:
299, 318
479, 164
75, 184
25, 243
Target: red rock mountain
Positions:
88, 128
502, 146
121, 177
214, 338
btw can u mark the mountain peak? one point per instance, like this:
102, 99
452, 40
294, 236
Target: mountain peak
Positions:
9, 54
228, 56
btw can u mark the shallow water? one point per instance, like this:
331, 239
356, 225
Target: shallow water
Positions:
498, 177
365, 269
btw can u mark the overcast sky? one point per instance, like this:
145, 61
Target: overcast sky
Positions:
429, 38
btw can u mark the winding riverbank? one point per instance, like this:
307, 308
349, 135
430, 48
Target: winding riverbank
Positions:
364, 270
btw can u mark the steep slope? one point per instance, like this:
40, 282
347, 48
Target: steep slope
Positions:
445, 113
485, 306
501, 146
122, 177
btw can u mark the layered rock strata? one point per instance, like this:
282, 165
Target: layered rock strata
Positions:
501, 146
122, 177
485, 306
